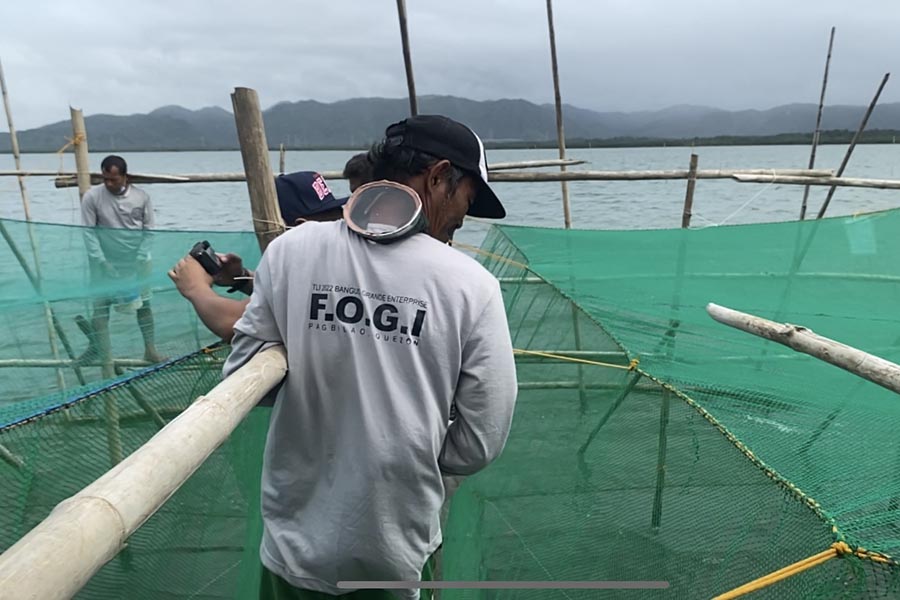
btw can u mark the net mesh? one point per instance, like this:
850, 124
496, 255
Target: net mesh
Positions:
716, 459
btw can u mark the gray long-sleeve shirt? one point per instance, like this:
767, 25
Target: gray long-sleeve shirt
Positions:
119, 225
380, 340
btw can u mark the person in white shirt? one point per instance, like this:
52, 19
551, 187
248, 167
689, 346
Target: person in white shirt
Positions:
384, 332
119, 217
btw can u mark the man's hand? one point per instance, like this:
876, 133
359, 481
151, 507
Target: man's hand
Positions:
232, 266
109, 270
190, 277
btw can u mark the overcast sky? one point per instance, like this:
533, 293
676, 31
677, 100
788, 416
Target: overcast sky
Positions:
128, 57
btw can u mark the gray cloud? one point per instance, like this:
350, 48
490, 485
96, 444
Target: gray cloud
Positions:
614, 55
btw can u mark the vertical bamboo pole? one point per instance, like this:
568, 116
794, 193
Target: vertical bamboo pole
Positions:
669, 338
856, 136
82, 161
26, 207
104, 344
564, 185
14, 142
689, 194
407, 58
560, 135
267, 220
281, 159
818, 130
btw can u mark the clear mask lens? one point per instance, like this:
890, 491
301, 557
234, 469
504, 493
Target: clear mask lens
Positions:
384, 211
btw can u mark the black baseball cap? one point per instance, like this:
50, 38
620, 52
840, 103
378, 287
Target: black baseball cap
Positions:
303, 194
447, 139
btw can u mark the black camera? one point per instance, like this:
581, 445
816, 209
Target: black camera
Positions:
206, 256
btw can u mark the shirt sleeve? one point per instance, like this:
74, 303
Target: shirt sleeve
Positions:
89, 220
485, 394
257, 328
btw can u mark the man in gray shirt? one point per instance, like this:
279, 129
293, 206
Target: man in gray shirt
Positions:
381, 340
119, 217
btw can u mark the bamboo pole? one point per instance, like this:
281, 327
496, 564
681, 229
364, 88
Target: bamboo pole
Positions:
495, 173
36, 285
57, 558
856, 136
557, 99
110, 406
868, 366
142, 402
14, 144
689, 194
527, 164
407, 58
879, 184
281, 159
35, 252
128, 363
267, 220
82, 160
9, 458
818, 130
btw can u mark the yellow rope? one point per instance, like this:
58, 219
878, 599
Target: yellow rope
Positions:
70, 141
631, 366
836, 549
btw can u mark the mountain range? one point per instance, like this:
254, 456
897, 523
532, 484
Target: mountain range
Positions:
358, 122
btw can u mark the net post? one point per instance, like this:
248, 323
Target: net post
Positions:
251, 131
689, 194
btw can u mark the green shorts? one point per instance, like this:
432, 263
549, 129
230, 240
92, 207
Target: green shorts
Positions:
273, 587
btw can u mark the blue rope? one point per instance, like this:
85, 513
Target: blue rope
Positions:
108, 387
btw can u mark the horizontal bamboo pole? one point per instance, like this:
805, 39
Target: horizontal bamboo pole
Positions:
869, 277
499, 175
880, 184
532, 176
52, 363
56, 558
533, 164
865, 365
579, 385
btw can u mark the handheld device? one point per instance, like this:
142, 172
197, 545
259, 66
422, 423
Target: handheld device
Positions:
206, 256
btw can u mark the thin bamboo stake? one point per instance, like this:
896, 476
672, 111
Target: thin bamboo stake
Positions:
35, 252
14, 143
689, 194
662, 445
11, 459
281, 159
82, 160
856, 136
142, 402
255, 153
868, 366
36, 285
557, 99
818, 130
495, 172
58, 557
407, 58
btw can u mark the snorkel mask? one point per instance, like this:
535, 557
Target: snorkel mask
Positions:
385, 212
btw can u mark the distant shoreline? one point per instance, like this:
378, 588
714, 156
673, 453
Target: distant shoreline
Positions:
883, 136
